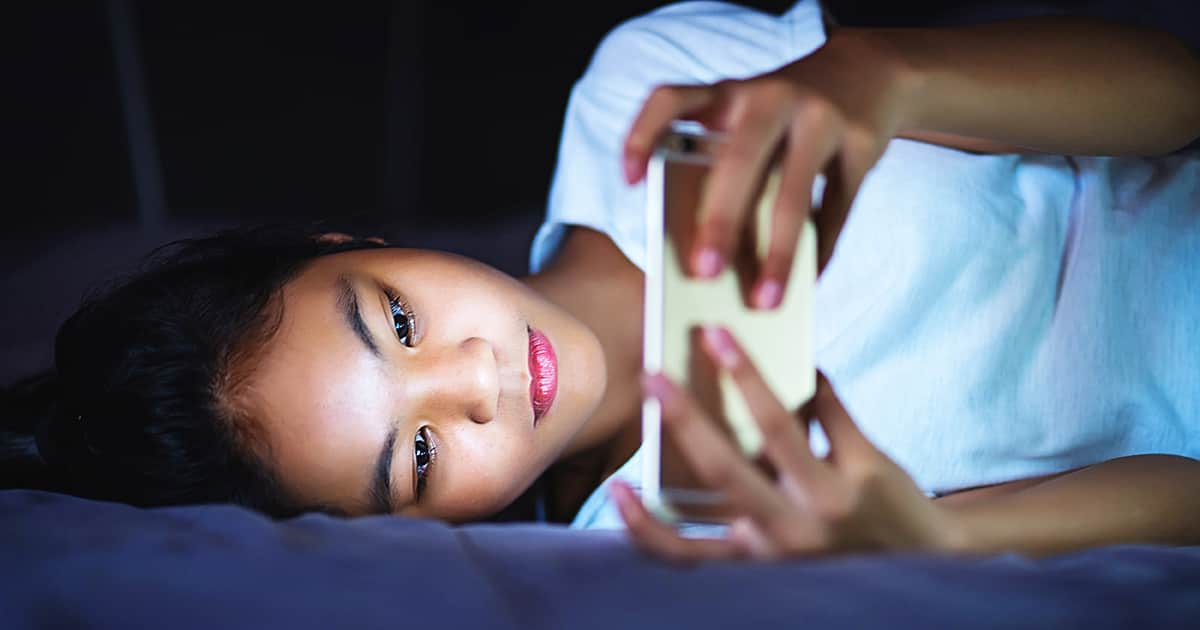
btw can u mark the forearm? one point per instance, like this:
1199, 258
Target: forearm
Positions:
1140, 499
1055, 84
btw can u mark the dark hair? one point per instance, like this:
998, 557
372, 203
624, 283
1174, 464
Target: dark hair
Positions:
140, 405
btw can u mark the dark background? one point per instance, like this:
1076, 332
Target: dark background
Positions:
429, 123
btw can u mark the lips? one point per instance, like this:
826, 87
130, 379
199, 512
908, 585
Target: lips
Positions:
543, 372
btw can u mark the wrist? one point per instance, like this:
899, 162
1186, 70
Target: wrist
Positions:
953, 532
905, 81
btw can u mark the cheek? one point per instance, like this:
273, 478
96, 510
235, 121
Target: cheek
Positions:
486, 471
477, 311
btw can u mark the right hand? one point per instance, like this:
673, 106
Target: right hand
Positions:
831, 112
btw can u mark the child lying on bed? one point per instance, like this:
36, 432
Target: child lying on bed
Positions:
1011, 332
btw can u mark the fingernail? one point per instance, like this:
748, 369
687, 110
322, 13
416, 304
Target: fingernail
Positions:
720, 343
626, 501
769, 294
632, 168
708, 262
656, 386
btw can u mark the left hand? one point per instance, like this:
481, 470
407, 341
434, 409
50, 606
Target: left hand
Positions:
854, 499
831, 112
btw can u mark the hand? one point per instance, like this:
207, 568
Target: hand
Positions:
854, 499
832, 112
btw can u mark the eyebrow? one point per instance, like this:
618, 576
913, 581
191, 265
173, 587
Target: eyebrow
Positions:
380, 490
347, 301
381, 485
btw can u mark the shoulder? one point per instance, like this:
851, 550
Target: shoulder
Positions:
595, 252
693, 42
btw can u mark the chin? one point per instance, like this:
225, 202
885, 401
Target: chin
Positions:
593, 375
584, 392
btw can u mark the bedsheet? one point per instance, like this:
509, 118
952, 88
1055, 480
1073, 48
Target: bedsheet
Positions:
69, 562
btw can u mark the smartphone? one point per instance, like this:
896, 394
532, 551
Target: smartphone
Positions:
778, 341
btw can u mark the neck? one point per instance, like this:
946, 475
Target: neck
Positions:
593, 281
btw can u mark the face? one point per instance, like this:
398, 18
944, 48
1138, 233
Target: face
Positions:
400, 381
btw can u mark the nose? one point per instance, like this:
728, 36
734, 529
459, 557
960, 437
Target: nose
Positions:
459, 380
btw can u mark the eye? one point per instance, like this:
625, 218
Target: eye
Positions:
424, 452
403, 319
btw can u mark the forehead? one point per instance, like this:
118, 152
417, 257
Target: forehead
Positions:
393, 260
318, 396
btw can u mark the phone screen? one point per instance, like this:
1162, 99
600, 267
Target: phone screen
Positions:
779, 341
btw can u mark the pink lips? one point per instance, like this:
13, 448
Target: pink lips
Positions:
543, 372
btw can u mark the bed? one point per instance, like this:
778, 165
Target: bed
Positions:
69, 562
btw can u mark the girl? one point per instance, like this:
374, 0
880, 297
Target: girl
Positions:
1009, 332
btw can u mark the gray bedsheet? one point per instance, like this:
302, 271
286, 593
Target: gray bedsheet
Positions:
68, 562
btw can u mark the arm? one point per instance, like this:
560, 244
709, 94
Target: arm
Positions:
858, 499
1054, 84
1138, 499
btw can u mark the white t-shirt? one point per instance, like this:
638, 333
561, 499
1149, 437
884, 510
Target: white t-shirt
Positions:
985, 318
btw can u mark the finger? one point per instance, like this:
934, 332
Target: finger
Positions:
711, 456
745, 534
809, 148
784, 439
845, 438
334, 238
746, 264
843, 177
657, 538
665, 104
735, 177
